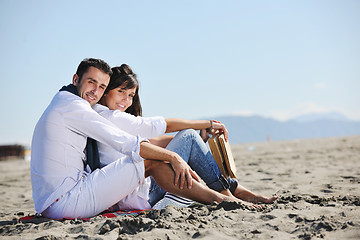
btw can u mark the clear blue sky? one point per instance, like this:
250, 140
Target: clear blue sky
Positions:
194, 59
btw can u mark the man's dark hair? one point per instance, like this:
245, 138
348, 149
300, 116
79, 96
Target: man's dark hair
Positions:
93, 62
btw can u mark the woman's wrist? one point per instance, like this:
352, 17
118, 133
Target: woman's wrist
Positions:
211, 128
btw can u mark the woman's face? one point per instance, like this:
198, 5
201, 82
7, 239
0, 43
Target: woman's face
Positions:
120, 98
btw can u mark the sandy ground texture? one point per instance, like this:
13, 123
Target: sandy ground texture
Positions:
317, 182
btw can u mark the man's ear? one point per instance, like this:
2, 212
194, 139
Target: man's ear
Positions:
75, 79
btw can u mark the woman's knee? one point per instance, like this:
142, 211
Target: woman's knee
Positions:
152, 167
187, 131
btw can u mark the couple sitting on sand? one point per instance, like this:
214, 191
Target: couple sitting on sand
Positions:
138, 163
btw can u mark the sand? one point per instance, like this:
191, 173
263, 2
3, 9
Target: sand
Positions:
317, 182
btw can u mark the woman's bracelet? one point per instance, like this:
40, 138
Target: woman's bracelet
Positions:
209, 129
211, 125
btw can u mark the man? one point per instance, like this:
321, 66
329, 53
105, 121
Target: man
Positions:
62, 188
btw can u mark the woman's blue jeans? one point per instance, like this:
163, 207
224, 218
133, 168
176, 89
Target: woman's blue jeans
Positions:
190, 146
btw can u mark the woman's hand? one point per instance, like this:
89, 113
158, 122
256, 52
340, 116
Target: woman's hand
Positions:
183, 172
218, 128
205, 134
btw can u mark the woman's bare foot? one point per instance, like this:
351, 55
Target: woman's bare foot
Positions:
262, 199
232, 198
251, 205
246, 195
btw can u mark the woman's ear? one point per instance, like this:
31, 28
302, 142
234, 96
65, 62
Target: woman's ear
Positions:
75, 79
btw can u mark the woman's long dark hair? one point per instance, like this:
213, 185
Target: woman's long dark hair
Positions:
124, 75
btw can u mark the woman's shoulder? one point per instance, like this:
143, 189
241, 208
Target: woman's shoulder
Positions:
111, 114
99, 107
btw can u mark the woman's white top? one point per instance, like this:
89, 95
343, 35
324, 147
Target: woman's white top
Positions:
146, 127
58, 144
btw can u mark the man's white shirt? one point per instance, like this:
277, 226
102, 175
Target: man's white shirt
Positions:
59, 140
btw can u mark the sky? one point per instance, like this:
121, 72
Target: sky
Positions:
194, 59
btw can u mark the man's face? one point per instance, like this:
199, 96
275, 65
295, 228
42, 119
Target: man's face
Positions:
92, 85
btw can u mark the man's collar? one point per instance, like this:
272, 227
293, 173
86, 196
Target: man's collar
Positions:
70, 88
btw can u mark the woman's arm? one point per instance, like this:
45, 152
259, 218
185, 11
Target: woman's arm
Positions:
161, 141
177, 124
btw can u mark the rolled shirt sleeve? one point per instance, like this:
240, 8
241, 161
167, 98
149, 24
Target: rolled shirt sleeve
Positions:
147, 127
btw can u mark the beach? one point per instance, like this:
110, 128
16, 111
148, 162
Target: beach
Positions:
317, 181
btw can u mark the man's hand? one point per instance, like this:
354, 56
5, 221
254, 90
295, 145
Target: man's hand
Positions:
183, 172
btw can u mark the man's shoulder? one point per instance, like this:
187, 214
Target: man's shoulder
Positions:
67, 97
65, 101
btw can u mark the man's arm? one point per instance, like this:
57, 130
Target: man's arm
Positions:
182, 170
161, 141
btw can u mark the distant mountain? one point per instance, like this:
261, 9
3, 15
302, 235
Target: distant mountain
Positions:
258, 129
321, 116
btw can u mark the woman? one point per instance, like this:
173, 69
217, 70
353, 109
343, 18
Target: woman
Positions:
121, 105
